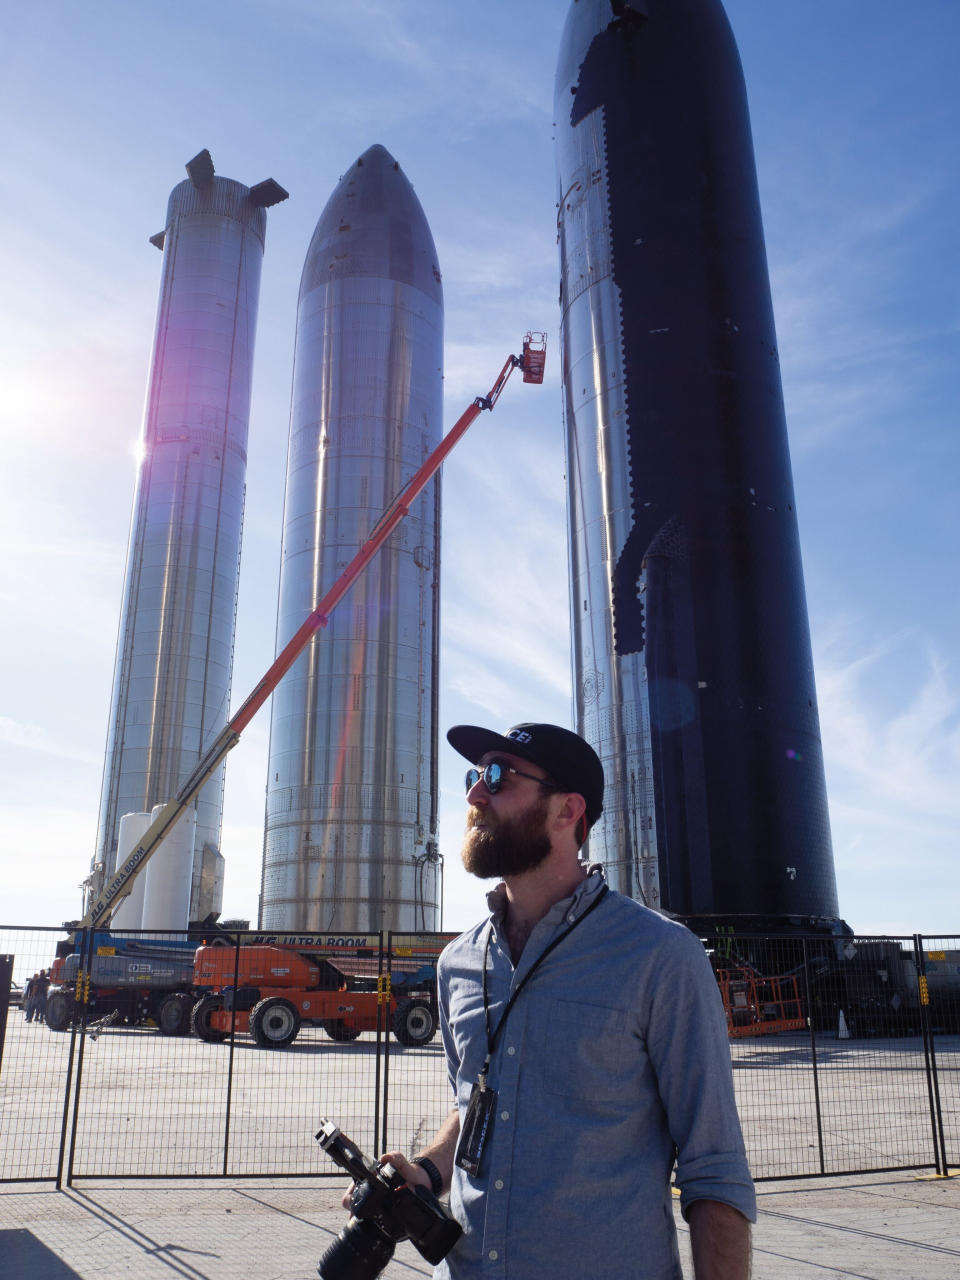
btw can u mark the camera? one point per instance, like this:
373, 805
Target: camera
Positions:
384, 1210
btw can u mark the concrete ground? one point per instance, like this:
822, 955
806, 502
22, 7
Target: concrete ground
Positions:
153, 1106
875, 1227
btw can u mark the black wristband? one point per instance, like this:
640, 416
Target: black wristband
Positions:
432, 1172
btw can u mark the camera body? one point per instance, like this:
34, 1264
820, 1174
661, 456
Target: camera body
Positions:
384, 1210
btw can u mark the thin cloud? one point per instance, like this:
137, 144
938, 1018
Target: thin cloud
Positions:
849, 361
892, 751
379, 30
34, 737
90, 552
53, 847
522, 643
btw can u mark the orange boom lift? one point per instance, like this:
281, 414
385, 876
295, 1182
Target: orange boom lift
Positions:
97, 914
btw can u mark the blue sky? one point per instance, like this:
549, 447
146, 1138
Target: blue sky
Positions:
855, 115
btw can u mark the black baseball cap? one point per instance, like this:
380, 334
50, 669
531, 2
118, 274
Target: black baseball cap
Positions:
570, 761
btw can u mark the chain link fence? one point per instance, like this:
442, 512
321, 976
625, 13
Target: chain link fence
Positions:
166, 1056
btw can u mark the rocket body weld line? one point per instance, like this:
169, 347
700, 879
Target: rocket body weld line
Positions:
230, 735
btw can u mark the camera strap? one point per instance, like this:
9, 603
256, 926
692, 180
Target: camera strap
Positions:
479, 1117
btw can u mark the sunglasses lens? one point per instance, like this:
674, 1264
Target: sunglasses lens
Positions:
491, 775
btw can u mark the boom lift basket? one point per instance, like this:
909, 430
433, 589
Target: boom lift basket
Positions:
534, 356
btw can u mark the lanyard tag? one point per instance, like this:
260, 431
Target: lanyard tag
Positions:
477, 1126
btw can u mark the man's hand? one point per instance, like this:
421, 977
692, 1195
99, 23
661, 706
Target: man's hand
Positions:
440, 1151
719, 1241
411, 1173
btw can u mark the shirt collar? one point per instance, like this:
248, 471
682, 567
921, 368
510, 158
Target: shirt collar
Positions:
571, 907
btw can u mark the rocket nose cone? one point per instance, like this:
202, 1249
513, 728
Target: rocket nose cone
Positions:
682, 40
588, 19
373, 225
377, 156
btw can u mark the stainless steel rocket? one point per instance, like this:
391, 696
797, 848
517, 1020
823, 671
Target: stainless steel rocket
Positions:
175, 643
350, 836
693, 673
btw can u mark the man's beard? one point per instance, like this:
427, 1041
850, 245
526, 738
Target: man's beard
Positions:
505, 847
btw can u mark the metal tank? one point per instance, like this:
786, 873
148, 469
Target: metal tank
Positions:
693, 675
129, 914
175, 642
166, 897
350, 838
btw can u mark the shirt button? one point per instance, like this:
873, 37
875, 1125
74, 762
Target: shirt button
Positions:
511, 1051
571, 916
504, 1115
499, 1184
493, 1255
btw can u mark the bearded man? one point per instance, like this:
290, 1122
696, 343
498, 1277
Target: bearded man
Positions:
586, 1047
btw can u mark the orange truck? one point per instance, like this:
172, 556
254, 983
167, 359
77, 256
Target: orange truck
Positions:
271, 991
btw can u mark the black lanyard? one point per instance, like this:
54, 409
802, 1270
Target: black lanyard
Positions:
495, 1036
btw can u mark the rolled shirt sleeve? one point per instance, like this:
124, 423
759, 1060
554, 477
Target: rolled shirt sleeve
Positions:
689, 1049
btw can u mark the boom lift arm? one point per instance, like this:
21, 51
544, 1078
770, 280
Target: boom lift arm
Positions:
532, 364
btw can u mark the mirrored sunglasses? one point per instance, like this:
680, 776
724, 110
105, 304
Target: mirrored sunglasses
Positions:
492, 775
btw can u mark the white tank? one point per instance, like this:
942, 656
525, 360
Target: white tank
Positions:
166, 897
129, 914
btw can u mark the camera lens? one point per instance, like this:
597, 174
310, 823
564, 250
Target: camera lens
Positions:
360, 1252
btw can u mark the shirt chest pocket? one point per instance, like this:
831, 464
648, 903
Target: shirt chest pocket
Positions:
582, 1050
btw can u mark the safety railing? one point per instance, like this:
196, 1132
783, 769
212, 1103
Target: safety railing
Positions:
160, 1057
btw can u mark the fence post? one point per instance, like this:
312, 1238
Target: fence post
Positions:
65, 1121
381, 1085
233, 1033
930, 1060
84, 976
6, 978
813, 1056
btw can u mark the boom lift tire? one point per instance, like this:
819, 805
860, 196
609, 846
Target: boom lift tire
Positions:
60, 1011
414, 1022
338, 1030
274, 1023
173, 1014
200, 1019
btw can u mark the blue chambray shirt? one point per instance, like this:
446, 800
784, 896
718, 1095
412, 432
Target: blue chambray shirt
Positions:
613, 1063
